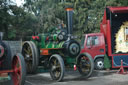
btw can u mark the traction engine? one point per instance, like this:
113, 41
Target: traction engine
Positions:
56, 50
11, 68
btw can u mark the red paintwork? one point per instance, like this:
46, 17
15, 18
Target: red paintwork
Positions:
94, 50
121, 70
35, 37
6, 71
105, 28
16, 74
118, 9
44, 52
47, 38
2, 51
15, 71
105, 32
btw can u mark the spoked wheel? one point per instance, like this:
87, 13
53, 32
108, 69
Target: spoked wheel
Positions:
85, 65
19, 70
57, 67
30, 54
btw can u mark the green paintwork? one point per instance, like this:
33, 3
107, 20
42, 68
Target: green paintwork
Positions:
55, 37
71, 61
5, 78
51, 41
48, 44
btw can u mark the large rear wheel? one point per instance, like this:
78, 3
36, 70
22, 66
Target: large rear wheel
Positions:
30, 54
85, 65
57, 67
19, 70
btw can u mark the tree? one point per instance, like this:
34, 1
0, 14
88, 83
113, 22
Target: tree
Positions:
15, 22
37, 16
4, 16
96, 12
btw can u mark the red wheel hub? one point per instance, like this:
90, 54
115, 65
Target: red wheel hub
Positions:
16, 66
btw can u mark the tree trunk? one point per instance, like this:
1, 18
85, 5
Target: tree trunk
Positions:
6, 31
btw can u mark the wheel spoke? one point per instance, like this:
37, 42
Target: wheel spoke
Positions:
84, 65
26, 51
29, 66
57, 74
17, 69
56, 67
16, 75
28, 59
55, 62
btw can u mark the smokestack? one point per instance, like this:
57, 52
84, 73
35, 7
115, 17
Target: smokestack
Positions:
69, 21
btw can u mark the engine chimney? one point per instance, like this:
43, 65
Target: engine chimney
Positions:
69, 21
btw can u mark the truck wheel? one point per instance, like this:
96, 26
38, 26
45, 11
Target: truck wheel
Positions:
99, 64
19, 70
85, 65
57, 67
30, 55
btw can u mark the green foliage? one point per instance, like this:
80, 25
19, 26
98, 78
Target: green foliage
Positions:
37, 16
12, 34
106, 62
15, 21
96, 12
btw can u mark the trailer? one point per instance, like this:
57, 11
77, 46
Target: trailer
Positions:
12, 68
112, 39
57, 50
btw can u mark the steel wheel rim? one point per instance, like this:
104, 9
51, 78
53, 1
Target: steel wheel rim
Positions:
55, 68
16, 74
100, 64
85, 65
28, 56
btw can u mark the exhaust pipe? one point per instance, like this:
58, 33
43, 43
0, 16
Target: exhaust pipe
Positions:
69, 22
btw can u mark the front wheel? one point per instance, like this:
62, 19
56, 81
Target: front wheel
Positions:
85, 65
57, 67
19, 70
99, 64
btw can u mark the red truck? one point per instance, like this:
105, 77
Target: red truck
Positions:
112, 39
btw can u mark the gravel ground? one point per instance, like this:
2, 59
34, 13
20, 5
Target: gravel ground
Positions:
74, 78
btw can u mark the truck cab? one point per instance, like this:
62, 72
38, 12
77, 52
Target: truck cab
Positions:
112, 40
94, 44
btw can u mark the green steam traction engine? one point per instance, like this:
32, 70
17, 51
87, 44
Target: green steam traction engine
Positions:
57, 50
